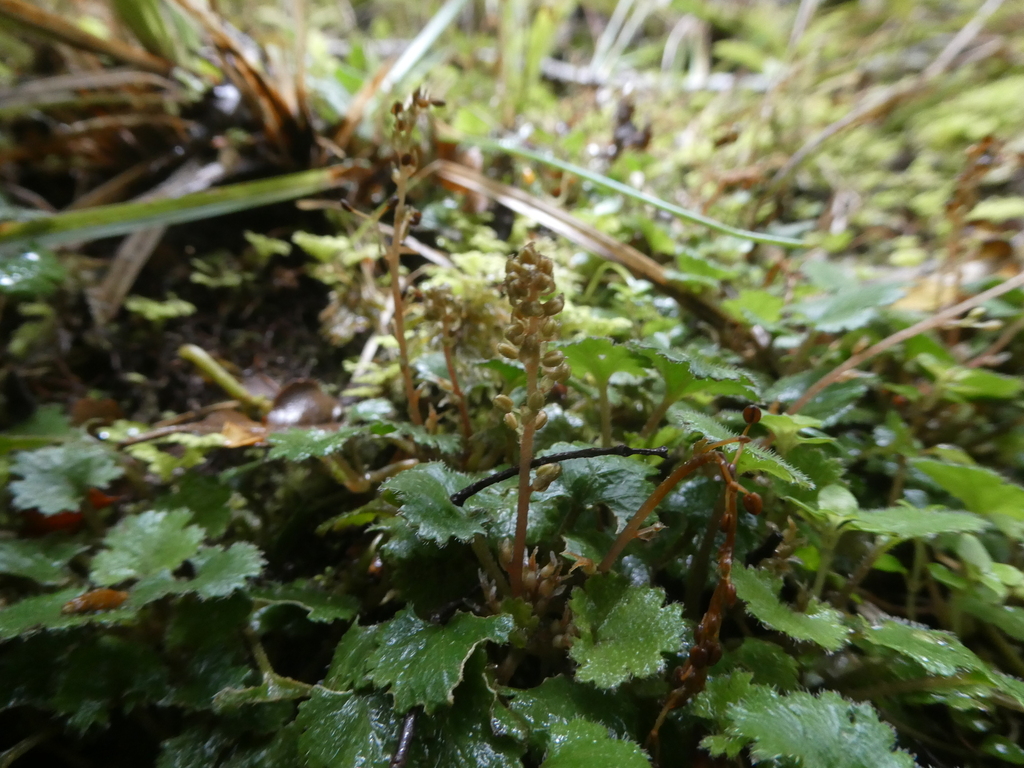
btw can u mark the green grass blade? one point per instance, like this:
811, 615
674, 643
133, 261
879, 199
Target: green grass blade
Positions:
422, 42
120, 219
603, 181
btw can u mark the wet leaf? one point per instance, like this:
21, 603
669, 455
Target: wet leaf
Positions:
560, 700
820, 624
421, 663
345, 729
982, 490
815, 731
424, 492
938, 652
321, 606
625, 630
57, 478
619, 482
583, 744
146, 544
30, 273
41, 560
302, 444
914, 523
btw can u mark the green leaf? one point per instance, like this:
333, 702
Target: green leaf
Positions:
791, 430
815, 731
342, 730
820, 624
619, 482
422, 663
105, 673
754, 458
302, 444
756, 307
720, 693
938, 652
975, 383
476, 732
560, 700
144, 545
624, 630
32, 274
914, 523
42, 560
205, 497
600, 358
321, 606
687, 373
982, 490
1010, 619
997, 209
219, 572
44, 611
769, 662
273, 688
583, 744
441, 443
424, 491
852, 307
56, 479
350, 667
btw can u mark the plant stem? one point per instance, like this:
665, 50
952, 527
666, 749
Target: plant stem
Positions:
8, 756
515, 570
701, 561
914, 581
863, 569
393, 252
489, 564
828, 551
460, 399
201, 359
664, 488
606, 414
401, 755
657, 415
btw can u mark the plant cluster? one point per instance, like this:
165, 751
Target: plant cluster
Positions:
574, 475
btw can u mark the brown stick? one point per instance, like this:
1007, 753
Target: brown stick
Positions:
907, 333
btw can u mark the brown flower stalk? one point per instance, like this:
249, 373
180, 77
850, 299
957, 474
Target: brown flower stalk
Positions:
406, 163
528, 279
706, 650
440, 307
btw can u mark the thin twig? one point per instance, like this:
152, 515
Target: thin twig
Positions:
664, 488
1008, 335
458, 499
934, 321
401, 756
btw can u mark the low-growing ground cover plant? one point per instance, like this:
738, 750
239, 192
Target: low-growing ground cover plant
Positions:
496, 458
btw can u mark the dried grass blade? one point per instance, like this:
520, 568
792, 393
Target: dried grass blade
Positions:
579, 232
616, 186
57, 27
